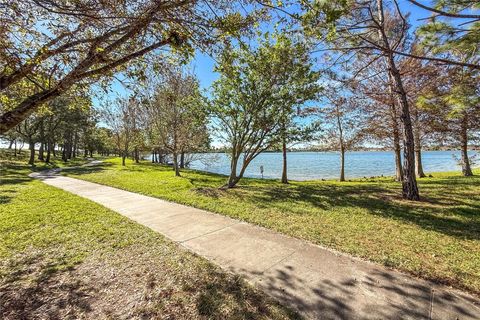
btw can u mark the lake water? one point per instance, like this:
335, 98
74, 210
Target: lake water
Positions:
326, 165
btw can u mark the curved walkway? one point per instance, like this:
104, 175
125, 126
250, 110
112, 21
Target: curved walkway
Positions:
319, 283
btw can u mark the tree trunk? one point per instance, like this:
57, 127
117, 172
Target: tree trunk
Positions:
409, 182
284, 155
237, 177
342, 163
153, 156
232, 178
397, 151
418, 146
124, 156
41, 152
11, 144
67, 147
41, 155
31, 146
342, 144
175, 165
75, 152
466, 169
182, 160
396, 131
398, 160
53, 149
137, 157
10, 119
49, 151
418, 162
15, 148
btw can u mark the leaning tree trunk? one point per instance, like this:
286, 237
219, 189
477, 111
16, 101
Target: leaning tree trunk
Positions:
11, 144
284, 155
232, 178
409, 182
466, 168
396, 131
239, 176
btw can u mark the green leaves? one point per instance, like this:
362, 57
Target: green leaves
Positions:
455, 34
255, 99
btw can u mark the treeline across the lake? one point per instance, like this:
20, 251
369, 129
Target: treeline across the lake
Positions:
340, 74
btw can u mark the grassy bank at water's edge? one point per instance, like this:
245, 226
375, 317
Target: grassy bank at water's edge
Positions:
437, 238
62, 256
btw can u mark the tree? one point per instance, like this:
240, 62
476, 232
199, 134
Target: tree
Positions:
121, 120
380, 107
85, 41
28, 131
372, 31
453, 27
245, 110
345, 123
289, 64
177, 116
419, 77
456, 104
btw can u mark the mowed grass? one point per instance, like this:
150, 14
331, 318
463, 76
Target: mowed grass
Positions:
437, 238
65, 257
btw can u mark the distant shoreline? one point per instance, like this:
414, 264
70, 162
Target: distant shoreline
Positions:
335, 151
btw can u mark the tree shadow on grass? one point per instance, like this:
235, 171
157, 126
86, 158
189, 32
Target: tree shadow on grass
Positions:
10, 176
459, 218
13, 174
85, 170
248, 304
36, 288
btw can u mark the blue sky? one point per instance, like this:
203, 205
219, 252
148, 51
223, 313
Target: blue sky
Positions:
203, 64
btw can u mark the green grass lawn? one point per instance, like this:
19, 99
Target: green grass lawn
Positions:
65, 257
437, 238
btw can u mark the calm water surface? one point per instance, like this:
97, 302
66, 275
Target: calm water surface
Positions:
326, 165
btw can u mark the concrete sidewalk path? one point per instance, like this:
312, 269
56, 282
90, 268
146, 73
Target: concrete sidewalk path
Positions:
319, 283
